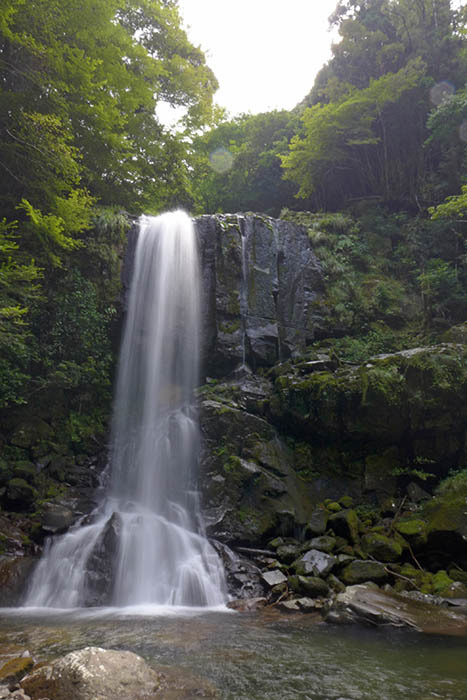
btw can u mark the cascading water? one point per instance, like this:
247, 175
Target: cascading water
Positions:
160, 554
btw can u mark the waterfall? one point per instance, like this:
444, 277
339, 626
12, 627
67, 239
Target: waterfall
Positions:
149, 520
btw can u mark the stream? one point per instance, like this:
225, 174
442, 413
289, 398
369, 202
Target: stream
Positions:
255, 656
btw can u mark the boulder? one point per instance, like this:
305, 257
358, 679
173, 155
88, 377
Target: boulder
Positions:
56, 518
289, 552
366, 605
325, 543
345, 524
100, 564
381, 547
273, 578
314, 563
21, 494
14, 578
359, 571
414, 530
318, 522
103, 674
310, 586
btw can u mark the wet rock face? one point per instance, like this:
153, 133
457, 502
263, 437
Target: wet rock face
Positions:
261, 287
101, 564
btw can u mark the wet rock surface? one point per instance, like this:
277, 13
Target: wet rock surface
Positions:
364, 604
262, 285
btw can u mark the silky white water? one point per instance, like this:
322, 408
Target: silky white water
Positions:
150, 513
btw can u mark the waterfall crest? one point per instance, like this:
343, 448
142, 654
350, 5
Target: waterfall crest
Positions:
150, 513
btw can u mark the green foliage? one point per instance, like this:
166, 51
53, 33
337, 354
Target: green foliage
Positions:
352, 147
74, 335
18, 288
365, 131
80, 84
443, 294
455, 207
237, 165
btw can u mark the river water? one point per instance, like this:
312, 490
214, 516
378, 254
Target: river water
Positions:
256, 656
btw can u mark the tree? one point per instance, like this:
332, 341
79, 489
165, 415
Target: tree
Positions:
238, 165
80, 82
356, 146
365, 127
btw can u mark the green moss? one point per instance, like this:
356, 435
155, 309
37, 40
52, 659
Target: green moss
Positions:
15, 669
412, 527
441, 582
334, 507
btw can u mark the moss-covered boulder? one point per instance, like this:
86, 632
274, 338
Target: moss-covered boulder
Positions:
325, 543
414, 530
21, 494
346, 524
381, 547
446, 518
311, 586
288, 552
360, 571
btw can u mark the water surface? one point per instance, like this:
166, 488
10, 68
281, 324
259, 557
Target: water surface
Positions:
257, 656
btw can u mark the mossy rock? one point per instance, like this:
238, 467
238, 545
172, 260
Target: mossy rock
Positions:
27, 435
325, 543
13, 670
334, 507
359, 571
414, 530
381, 547
457, 575
25, 470
288, 552
346, 524
346, 501
311, 586
21, 493
318, 521
422, 580
441, 582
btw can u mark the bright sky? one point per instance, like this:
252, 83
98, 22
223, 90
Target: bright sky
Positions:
264, 53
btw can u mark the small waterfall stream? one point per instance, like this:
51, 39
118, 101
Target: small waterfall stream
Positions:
149, 513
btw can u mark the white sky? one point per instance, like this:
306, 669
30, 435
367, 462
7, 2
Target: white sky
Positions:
264, 53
